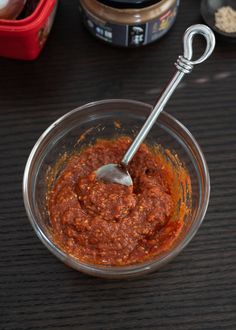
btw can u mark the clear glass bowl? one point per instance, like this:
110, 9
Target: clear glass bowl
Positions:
97, 121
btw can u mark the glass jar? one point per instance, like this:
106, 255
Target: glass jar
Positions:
128, 23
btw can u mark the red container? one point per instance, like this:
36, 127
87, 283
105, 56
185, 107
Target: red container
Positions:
24, 39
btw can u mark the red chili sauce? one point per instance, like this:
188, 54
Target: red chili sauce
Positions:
110, 224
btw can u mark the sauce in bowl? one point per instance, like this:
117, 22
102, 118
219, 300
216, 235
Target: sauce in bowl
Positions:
114, 225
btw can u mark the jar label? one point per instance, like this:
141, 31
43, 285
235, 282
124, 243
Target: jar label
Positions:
130, 35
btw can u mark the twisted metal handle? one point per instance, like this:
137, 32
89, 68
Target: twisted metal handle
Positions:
184, 65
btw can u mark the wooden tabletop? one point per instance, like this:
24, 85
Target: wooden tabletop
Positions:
195, 291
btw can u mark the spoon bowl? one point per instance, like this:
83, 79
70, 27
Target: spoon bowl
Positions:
114, 173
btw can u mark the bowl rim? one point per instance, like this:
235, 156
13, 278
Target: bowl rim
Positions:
112, 271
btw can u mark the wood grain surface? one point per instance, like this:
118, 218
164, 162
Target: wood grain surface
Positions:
197, 290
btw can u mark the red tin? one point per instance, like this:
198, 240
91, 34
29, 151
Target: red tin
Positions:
24, 39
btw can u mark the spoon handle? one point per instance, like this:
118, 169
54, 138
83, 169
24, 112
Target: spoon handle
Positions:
184, 65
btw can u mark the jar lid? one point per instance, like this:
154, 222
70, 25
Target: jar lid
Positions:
129, 3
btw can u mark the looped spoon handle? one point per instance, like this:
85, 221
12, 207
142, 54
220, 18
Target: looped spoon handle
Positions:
184, 65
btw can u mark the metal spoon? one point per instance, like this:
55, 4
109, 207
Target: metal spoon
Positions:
118, 173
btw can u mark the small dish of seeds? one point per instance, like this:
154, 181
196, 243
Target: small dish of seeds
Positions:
221, 17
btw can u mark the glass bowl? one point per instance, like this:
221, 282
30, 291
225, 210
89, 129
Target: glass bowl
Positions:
96, 120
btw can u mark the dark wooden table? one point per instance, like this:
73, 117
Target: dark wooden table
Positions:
198, 289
